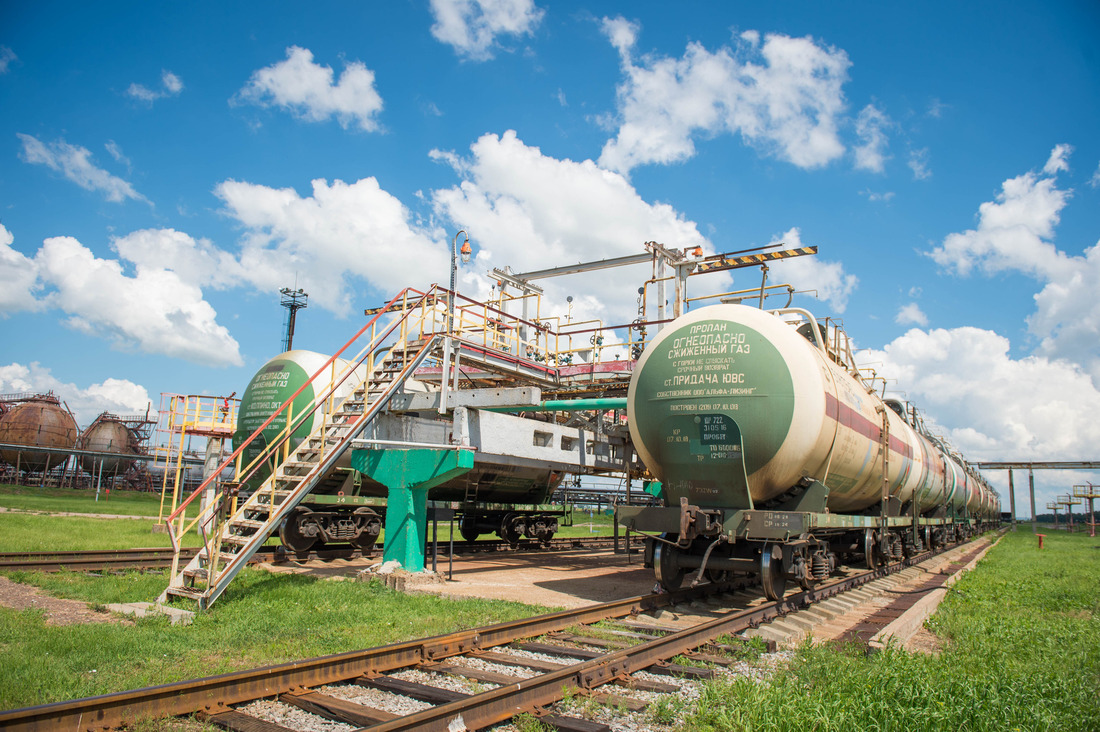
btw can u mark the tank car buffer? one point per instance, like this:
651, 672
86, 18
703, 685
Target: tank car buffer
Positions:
777, 457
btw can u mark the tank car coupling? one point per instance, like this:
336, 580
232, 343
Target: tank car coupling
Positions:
697, 522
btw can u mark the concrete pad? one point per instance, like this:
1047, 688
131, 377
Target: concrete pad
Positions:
175, 615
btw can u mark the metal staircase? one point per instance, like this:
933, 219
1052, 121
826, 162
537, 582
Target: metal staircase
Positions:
232, 534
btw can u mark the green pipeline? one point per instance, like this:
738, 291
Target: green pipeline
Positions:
567, 405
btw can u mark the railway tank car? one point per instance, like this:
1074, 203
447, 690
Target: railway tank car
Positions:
776, 456
335, 512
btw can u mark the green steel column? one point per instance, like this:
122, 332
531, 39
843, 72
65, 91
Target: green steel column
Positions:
409, 473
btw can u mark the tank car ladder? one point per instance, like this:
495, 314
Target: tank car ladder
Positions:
238, 537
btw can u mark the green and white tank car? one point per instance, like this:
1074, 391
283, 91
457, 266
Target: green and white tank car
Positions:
347, 508
776, 456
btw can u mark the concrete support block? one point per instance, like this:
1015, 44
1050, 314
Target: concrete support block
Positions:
176, 616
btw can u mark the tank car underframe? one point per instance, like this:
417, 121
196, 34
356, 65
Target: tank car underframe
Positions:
779, 546
357, 520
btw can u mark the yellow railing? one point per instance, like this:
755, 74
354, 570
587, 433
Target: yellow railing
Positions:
185, 416
409, 310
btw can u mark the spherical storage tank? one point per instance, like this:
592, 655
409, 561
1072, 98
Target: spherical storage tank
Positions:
37, 422
274, 383
107, 434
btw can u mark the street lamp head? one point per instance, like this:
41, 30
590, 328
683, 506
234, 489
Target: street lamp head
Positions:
466, 251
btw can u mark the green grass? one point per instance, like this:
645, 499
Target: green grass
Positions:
262, 619
134, 503
28, 532
68, 500
1022, 652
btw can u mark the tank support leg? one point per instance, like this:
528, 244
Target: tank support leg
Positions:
409, 474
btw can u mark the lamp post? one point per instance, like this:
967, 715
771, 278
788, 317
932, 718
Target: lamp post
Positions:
466, 251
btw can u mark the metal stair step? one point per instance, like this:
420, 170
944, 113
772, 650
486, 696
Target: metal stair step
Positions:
194, 594
243, 533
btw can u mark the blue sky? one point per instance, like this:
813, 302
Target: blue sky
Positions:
166, 168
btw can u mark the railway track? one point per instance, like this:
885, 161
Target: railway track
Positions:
158, 558
554, 655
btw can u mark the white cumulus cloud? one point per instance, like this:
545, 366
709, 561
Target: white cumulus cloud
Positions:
195, 261
75, 163
154, 310
308, 91
991, 406
342, 233
1015, 233
1059, 159
472, 27
530, 211
784, 97
19, 274
995, 407
117, 396
828, 279
911, 314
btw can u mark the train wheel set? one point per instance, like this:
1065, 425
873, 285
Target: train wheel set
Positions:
320, 525
805, 560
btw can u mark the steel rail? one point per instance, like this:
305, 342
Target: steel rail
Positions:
91, 561
159, 557
528, 695
215, 693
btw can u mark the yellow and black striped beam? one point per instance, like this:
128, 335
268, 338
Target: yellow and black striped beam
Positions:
723, 262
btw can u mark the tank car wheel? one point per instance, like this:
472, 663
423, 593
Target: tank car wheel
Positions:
870, 549
511, 529
666, 567
772, 579
294, 535
370, 525
468, 528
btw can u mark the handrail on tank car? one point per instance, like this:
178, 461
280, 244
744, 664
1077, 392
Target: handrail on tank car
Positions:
232, 458
281, 441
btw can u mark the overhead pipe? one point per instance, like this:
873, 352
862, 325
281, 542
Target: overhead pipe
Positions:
566, 405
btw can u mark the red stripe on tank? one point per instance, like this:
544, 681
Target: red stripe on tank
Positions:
853, 420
